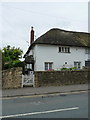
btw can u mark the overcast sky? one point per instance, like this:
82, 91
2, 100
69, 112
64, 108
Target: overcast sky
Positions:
18, 17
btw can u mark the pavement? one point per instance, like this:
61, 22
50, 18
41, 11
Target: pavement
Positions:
27, 91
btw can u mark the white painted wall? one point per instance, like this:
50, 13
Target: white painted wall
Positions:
49, 53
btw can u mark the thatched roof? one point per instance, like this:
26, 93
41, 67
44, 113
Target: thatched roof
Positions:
62, 37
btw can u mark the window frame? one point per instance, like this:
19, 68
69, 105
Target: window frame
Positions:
87, 51
64, 49
78, 64
48, 67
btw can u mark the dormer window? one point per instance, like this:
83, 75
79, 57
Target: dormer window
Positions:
64, 49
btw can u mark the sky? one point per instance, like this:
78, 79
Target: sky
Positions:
16, 19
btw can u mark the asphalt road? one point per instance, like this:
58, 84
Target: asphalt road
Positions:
60, 106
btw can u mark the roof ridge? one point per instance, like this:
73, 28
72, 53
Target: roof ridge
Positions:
68, 31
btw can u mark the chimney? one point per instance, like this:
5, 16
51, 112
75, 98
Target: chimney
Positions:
32, 36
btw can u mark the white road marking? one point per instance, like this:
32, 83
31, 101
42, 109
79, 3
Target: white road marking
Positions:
43, 112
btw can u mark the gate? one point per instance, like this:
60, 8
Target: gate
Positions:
28, 80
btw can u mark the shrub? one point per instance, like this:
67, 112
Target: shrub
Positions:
69, 69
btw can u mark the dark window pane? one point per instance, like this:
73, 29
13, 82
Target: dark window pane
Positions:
75, 64
65, 49
59, 49
62, 49
79, 65
50, 66
68, 50
46, 66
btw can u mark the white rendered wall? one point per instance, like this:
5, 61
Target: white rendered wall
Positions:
49, 53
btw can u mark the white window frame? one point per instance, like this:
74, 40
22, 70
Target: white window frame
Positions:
64, 49
77, 64
87, 51
48, 65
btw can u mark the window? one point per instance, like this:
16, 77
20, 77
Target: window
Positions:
77, 65
48, 65
59, 49
28, 66
68, 50
64, 49
87, 51
87, 63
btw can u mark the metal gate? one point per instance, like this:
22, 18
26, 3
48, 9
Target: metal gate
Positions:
28, 80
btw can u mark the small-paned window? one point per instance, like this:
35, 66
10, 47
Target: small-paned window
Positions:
87, 50
48, 65
77, 65
64, 49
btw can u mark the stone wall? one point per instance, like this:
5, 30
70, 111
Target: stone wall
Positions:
12, 78
56, 78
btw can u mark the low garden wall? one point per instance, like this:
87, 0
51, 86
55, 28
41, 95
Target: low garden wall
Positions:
58, 78
12, 78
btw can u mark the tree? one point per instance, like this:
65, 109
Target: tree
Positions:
11, 56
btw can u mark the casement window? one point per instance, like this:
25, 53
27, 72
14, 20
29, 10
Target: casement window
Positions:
77, 65
28, 66
48, 65
64, 49
87, 50
87, 63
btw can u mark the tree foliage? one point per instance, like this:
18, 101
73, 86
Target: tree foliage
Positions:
11, 56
